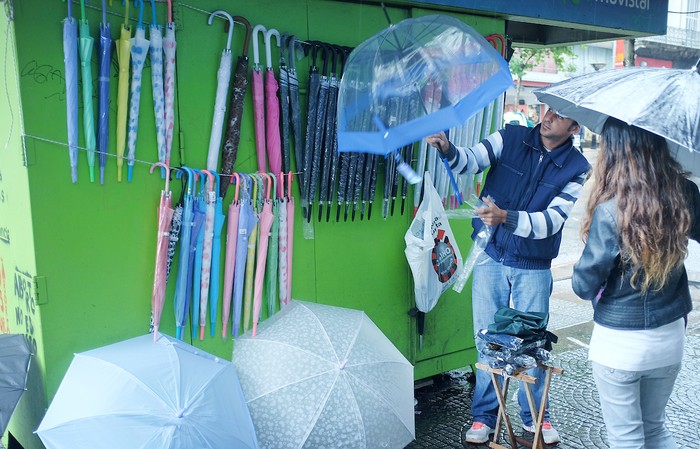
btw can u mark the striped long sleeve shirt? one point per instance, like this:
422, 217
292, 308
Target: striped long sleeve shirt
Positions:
533, 225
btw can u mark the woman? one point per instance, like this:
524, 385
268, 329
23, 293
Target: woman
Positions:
640, 213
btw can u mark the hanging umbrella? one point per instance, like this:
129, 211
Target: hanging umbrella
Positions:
319, 125
329, 138
234, 210
219, 219
233, 129
139, 51
312, 92
282, 245
169, 48
284, 106
103, 92
323, 376
295, 111
180, 301
223, 76
247, 221
70, 61
638, 96
250, 258
259, 101
156, 53
272, 109
266, 219
136, 393
272, 263
85, 49
396, 64
210, 198
194, 274
123, 55
175, 226
15, 358
165, 215
290, 242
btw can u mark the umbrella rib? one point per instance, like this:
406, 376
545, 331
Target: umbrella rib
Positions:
292, 383
318, 412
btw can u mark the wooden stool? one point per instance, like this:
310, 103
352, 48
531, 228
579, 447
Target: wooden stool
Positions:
537, 412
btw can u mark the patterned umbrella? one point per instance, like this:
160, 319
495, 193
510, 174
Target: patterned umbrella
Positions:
139, 51
169, 47
156, 53
165, 215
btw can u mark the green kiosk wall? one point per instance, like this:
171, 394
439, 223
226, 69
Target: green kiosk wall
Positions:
76, 260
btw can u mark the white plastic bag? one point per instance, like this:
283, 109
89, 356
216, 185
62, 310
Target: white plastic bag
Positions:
431, 249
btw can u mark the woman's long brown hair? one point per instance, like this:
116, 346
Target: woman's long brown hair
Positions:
635, 167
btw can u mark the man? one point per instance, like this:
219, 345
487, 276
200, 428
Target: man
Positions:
535, 178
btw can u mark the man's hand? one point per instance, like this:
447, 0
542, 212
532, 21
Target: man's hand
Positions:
439, 141
491, 215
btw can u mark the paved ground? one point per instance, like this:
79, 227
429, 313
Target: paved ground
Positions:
443, 407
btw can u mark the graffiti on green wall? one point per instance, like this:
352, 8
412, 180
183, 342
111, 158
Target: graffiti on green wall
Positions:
46, 75
4, 314
25, 310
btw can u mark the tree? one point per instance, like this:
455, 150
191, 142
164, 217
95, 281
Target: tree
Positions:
525, 59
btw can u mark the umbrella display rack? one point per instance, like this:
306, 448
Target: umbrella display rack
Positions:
81, 256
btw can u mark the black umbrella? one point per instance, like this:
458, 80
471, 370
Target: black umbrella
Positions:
295, 110
233, 129
330, 141
313, 91
319, 125
284, 104
344, 162
372, 185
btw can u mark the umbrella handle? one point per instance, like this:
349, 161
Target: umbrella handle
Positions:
170, 11
139, 3
238, 185
269, 182
268, 50
256, 52
126, 13
153, 12
230, 21
212, 181
167, 178
290, 177
248, 31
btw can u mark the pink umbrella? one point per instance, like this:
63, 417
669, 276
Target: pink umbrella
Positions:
290, 239
282, 245
273, 141
165, 214
266, 217
259, 101
206, 252
230, 261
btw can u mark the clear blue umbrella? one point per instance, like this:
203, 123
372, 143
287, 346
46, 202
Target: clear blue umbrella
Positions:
219, 218
85, 46
70, 60
180, 300
247, 220
103, 92
139, 51
194, 275
401, 61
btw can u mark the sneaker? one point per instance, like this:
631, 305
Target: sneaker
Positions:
479, 433
549, 433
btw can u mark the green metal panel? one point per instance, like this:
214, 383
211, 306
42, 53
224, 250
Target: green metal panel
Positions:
92, 246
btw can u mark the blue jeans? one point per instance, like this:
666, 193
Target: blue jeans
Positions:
634, 405
493, 287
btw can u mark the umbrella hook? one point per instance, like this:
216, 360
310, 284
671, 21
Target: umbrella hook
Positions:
290, 177
238, 185
325, 55
170, 11
256, 53
248, 31
139, 3
220, 12
186, 171
268, 49
211, 195
82, 10
126, 14
153, 12
167, 178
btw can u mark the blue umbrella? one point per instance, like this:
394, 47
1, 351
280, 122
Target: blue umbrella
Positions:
86, 44
103, 92
180, 301
219, 218
398, 64
194, 275
70, 60
247, 220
